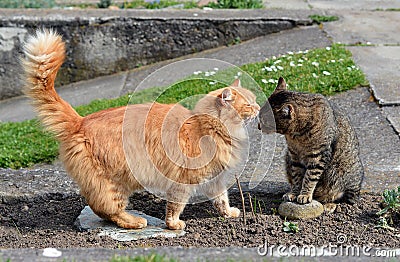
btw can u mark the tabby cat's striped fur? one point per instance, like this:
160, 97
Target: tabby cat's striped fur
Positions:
322, 161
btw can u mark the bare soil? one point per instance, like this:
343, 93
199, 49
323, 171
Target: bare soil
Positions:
42, 223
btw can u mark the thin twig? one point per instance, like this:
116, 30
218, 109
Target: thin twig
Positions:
251, 204
241, 195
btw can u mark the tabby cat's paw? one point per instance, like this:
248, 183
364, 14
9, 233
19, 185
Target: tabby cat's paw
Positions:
304, 199
234, 212
289, 197
175, 224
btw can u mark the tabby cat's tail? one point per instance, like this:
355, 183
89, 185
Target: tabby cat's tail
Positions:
44, 55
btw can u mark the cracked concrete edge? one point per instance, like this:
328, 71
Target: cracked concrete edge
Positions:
94, 16
395, 122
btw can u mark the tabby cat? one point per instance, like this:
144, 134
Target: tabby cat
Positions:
322, 160
170, 148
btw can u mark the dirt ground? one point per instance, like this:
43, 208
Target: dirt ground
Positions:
40, 224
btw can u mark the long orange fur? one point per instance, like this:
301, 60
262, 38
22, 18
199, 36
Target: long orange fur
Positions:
117, 151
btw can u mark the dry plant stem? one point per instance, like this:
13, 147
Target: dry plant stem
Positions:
242, 197
251, 204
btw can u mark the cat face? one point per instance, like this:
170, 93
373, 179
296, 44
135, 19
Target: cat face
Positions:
283, 110
240, 99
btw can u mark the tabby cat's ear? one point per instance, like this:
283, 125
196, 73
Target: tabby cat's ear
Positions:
281, 85
236, 83
288, 110
226, 96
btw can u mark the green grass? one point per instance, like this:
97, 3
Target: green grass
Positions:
322, 18
158, 4
327, 71
27, 3
290, 227
237, 4
143, 258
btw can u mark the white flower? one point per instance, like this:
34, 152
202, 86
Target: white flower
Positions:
271, 81
328, 48
279, 67
300, 52
274, 68
315, 63
277, 62
292, 63
212, 73
274, 57
326, 73
306, 51
314, 75
268, 69
216, 68
341, 60
212, 83
349, 68
299, 64
300, 60
197, 72
239, 73
207, 74
333, 61
283, 55
290, 53
264, 81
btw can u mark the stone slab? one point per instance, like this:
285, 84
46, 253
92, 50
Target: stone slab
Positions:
354, 27
292, 210
381, 65
354, 4
88, 220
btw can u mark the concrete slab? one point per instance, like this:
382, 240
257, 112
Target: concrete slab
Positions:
356, 27
354, 4
88, 220
381, 65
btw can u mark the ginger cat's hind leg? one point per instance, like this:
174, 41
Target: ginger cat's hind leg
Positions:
221, 203
108, 201
172, 217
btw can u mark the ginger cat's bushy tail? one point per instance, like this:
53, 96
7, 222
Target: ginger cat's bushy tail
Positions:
44, 55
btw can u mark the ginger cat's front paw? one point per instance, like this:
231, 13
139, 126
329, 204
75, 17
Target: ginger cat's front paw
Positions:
233, 212
304, 199
175, 224
289, 197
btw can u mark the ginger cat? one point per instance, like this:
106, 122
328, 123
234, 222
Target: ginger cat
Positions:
166, 148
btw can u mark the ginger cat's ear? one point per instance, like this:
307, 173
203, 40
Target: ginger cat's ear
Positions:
236, 83
226, 96
281, 85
